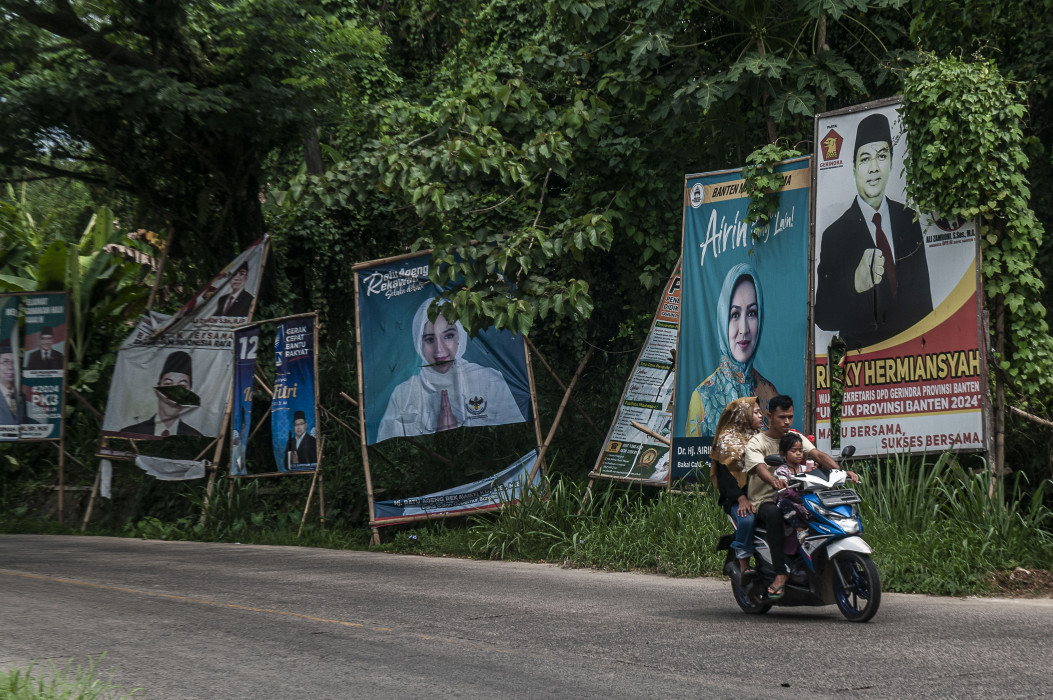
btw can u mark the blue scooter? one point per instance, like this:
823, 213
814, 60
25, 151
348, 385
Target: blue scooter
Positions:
832, 564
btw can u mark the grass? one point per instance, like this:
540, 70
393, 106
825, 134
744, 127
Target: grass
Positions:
72, 682
935, 526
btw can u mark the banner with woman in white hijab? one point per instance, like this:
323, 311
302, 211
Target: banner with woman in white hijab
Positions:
423, 376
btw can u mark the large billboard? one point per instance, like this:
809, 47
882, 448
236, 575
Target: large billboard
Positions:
899, 287
420, 376
173, 373
629, 453
744, 306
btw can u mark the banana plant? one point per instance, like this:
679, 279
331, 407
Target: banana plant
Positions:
106, 291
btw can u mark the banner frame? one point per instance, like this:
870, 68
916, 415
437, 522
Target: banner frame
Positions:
986, 413
373, 523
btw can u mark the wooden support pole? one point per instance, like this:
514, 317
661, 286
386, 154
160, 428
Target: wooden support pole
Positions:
307, 506
999, 446
644, 429
563, 405
1031, 417
539, 464
545, 364
91, 499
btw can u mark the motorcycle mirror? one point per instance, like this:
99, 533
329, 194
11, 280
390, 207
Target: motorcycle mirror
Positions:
774, 460
847, 451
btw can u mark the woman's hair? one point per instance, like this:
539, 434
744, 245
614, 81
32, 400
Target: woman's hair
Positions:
788, 441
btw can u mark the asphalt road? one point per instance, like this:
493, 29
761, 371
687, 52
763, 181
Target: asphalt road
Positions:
189, 620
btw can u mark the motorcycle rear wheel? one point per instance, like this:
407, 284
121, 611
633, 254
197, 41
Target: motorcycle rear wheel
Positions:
859, 597
748, 605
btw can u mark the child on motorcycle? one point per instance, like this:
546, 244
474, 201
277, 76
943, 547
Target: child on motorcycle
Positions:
791, 449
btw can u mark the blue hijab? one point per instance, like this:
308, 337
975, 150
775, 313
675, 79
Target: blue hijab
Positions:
724, 316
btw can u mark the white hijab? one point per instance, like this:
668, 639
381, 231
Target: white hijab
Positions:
430, 377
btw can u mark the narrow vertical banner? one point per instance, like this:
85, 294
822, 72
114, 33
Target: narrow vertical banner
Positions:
44, 365
899, 287
12, 405
246, 344
294, 428
744, 310
629, 453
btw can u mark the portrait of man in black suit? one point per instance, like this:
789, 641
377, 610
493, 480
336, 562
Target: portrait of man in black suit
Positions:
238, 302
873, 276
177, 371
301, 447
45, 356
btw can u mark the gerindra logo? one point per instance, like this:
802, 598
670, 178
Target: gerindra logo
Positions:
831, 145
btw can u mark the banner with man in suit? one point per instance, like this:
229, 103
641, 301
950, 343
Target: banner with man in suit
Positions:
173, 373
899, 288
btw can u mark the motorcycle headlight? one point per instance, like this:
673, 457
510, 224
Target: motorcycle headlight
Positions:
848, 523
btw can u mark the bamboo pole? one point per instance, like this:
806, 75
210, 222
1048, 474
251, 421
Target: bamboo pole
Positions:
383, 261
563, 405
644, 429
999, 455
91, 500
61, 478
540, 463
307, 506
545, 364
375, 539
214, 467
1031, 417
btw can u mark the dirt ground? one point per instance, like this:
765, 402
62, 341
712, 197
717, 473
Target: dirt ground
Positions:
1023, 583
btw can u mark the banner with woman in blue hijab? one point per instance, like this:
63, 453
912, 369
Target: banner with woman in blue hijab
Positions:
744, 307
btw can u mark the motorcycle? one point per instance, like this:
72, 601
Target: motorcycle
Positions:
831, 564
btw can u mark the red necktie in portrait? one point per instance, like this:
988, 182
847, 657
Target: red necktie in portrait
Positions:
886, 250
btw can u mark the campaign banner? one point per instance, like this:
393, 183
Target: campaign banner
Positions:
12, 404
44, 365
173, 373
421, 376
629, 453
246, 345
899, 288
744, 307
507, 486
294, 428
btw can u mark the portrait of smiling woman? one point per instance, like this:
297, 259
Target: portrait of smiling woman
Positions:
449, 391
739, 322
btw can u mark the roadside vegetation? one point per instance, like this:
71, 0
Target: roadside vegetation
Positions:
936, 527
71, 682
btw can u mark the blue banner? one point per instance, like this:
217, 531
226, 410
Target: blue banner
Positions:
44, 365
421, 376
246, 345
294, 429
744, 307
507, 486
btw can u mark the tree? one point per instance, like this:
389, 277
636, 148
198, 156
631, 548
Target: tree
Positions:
179, 104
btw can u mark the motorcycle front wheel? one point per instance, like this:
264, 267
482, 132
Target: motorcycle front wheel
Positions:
857, 586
